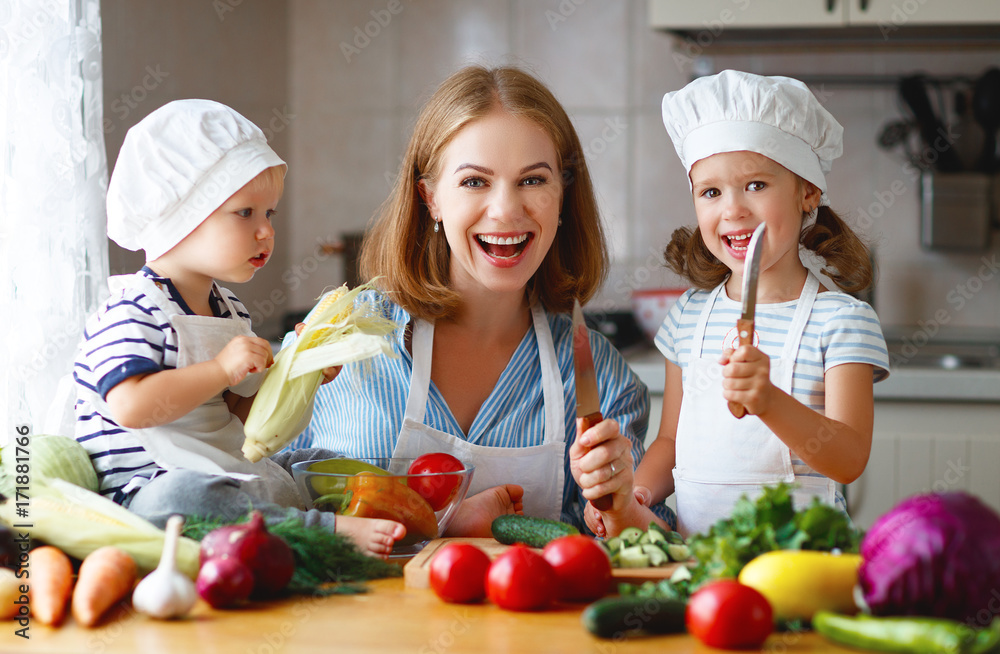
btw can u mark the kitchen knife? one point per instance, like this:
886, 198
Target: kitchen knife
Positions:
751, 271
588, 402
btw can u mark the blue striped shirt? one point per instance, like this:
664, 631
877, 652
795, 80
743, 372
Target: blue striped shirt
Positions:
359, 414
129, 335
840, 329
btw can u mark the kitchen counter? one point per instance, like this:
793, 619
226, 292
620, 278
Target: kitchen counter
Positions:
904, 383
391, 619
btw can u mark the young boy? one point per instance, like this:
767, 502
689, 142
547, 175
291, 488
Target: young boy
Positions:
169, 366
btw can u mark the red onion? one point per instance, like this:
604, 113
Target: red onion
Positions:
268, 557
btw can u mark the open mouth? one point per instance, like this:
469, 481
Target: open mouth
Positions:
259, 260
738, 242
503, 247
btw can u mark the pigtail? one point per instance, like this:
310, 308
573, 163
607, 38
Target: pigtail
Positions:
847, 258
687, 255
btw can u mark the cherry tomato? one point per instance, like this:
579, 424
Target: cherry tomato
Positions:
458, 572
581, 565
521, 580
439, 489
728, 615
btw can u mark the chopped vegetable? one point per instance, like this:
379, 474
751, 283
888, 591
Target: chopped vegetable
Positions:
52, 456
166, 592
933, 555
51, 583
106, 576
754, 527
78, 522
635, 548
337, 331
908, 635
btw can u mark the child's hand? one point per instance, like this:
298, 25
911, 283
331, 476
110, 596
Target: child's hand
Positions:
244, 355
746, 378
328, 373
594, 520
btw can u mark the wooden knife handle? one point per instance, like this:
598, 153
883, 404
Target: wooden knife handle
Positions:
745, 329
604, 502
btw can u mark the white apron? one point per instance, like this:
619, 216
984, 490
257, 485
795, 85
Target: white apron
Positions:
539, 469
720, 458
210, 438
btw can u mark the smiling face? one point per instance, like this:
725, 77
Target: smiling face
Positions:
736, 191
231, 244
498, 195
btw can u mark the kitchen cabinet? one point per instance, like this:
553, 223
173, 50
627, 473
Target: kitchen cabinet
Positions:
717, 15
918, 447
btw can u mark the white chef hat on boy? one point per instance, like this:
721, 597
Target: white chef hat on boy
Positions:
178, 165
777, 117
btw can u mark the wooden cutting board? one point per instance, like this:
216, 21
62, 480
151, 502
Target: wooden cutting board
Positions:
416, 572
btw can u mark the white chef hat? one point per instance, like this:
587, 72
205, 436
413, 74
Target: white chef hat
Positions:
178, 165
777, 117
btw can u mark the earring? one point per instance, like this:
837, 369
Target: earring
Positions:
559, 224
813, 213
437, 224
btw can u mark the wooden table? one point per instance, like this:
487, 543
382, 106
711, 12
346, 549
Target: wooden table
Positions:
390, 618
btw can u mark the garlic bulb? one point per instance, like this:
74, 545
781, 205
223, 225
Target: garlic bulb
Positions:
166, 592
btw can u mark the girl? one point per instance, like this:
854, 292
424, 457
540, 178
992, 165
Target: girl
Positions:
756, 150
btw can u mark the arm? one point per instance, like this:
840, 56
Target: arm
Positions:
836, 445
161, 397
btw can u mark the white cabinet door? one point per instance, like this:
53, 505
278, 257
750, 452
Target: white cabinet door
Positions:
899, 13
717, 15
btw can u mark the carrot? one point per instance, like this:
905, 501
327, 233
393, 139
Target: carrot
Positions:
51, 581
106, 576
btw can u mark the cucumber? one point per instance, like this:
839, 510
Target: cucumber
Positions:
679, 552
613, 617
656, 555
533, 532
631, 535
633, 556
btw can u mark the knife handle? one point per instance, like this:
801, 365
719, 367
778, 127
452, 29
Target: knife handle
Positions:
745, 328
584, 423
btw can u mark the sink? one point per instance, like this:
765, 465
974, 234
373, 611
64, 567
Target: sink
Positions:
944, 355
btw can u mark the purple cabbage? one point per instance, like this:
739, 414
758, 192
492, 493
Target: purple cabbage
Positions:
934, 555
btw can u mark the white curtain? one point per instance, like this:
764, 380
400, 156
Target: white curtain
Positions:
53, 178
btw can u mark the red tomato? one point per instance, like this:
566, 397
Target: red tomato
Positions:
581, 565
520, 580
458, 572
439, 489
728, 615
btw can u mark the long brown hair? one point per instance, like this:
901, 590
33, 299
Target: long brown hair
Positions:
400, 246
847, 258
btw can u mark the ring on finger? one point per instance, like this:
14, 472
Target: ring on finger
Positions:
613, 471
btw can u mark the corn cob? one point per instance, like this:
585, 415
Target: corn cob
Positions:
79, 521
336, 332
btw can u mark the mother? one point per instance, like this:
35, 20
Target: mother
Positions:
489, 234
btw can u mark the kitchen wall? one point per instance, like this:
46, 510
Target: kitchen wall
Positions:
348, 76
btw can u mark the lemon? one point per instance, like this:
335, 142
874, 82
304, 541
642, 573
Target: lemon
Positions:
798, 583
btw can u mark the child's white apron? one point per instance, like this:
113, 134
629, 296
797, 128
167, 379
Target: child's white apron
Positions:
209, 438
720, 458
539, 469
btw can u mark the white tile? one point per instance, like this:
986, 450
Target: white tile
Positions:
579, 49
950, 465
874, 492
440, 36
985, 452
914, 465
661, 62
344, 53
605, 141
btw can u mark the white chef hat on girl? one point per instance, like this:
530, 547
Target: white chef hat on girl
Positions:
178, 165
777, 117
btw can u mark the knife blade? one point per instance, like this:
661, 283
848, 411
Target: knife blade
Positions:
588, 401
751, 272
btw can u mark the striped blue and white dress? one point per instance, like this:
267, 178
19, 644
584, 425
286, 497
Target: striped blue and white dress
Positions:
128, 336
359, 414
841, 329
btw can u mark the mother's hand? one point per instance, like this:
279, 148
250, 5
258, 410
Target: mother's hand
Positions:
601, 462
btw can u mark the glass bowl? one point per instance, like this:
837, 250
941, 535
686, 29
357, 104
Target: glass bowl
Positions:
381, 488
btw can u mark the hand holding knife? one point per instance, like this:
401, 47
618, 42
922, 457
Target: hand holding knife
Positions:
751, 272
588, 401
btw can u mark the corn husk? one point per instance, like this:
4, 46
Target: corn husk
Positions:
79, 521
51, 455
337, 332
